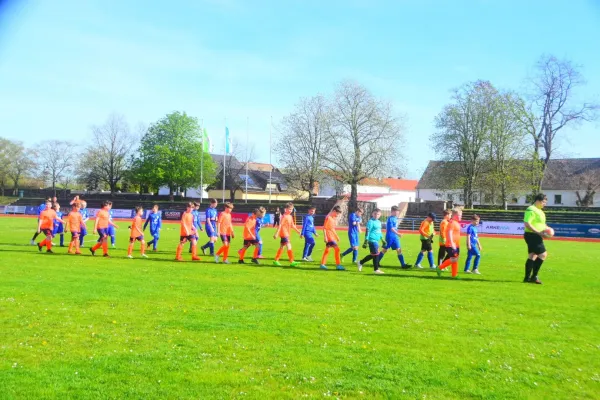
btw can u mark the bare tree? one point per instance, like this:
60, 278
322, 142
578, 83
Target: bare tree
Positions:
235, 169
463, 132
554, 105
590, 180
21, 163
365, 137
107, 159
55, 157
302, 143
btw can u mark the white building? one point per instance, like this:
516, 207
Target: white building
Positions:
385, 192
563, 181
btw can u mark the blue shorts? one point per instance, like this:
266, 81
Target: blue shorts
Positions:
211, 231
354, 241
83, 231
58, 229
133, 239
102, 233
309, 239
331, 244
393, 244
374, 248
258, 238
111, 230
74, 235
284, 241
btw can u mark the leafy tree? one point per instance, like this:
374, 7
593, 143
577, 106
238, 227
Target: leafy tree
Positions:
170, 155
21, 164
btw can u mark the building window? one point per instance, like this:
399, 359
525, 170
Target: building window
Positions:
558, 199
450, 197
438, 196
475, 197
461, 197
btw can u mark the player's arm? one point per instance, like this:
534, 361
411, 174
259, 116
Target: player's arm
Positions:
39, 225
422, 230
469, 238
449, 239
96, 224
528, 225
147, 221
112, 224
304, 228
277, 231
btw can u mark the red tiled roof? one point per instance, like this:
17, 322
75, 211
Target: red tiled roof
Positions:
401, 184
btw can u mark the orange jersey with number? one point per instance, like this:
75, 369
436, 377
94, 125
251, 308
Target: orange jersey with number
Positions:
250, 228
329, 227
74, 219
454, 227
187, 221
443, 228
136, 227
47, 217
102, 217
224, 222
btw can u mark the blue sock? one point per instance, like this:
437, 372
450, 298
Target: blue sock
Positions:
354, 256
305, 251
401, 259
310, 249
62, 239
211, 246
345, 253
430, 258
81, 241
113, 239
468, 262
381, 255
154, 243
476, 262
419, 258
260, 249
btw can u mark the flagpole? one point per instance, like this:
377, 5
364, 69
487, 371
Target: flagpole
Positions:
202, 162
247, 130
224, 160
270, 162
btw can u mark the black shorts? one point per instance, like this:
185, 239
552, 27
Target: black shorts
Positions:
187, 238
248, 243
535, 243
133, 239
46, 232
331, 244
426, 245
452, 253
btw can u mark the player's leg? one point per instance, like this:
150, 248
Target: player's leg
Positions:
420, 256
305, 250
130, 247
430, 259
290, 254
242, 251
338, 259
143, 247
182, 241
324, 257
194, 243
403, 263
441, 255
477, 259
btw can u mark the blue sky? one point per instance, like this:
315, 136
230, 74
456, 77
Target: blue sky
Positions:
67, 65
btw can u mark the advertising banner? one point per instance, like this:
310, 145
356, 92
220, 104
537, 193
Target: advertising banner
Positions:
576, 230
120, 213
31, 210
172, 215
238, 218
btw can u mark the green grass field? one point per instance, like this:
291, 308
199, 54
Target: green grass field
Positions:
78, 327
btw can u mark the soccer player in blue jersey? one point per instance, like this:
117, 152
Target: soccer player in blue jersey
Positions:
473, 245
40, 208
111, 229
308, 233
197, 222
372, 239
155, 220
392, 238
259, 224
85, 217
354, 220
211, 227
58, 228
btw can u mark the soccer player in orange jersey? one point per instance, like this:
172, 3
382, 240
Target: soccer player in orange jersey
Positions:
225, 231
137, 233
46, 226
452, 244
443, 227
187, 233
251, 236
283, 232
331, 238
101, 227
74, 222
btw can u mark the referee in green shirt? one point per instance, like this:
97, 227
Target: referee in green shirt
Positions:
535, 225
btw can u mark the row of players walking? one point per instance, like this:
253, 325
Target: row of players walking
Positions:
52, 222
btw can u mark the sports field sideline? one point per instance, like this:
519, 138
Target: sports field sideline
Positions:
79, 326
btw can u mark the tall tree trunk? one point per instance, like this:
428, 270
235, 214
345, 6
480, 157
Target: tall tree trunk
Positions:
353, 196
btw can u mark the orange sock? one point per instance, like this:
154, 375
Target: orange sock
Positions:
278, 254
178, 252
76, 246
194, 250
455, 269
221, 250
445, 264
291, 255
325, 255
225, 253
105, 247
338, 260
256, 250
42, 243
243, 253
71, 245
48, 242
129, 249
96, 246
143, 247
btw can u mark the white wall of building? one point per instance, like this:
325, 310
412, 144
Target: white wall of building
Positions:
386, 202
405, 195
191, 192
328, 189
